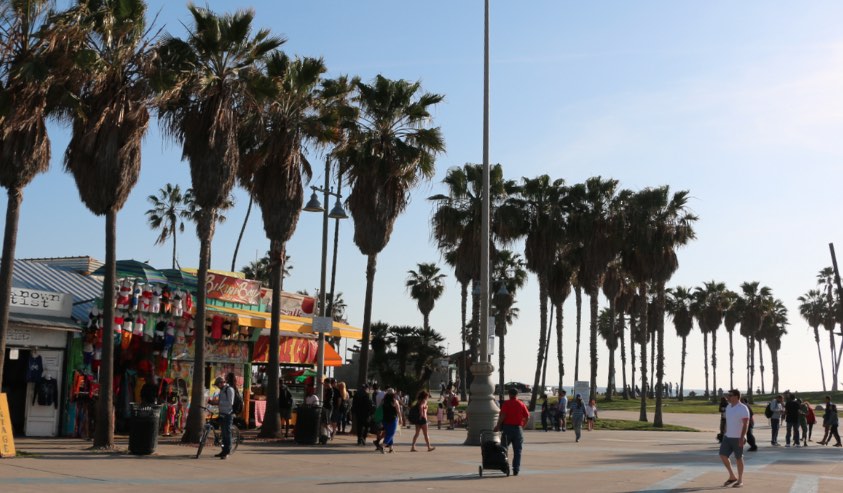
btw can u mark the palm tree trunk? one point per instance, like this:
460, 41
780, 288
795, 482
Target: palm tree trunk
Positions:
749, 345
10, 237
426, 321
547, 348
610, 380
242, 230
633, 326
761, 364
334, 263
196, 416
819, 354
542, 341
751, 365
473, 343
660, 301
173, 232
642, 320
775, 357
623, 350
363, 373
593, 342
731, 362
559, 357
501, 322
682, 372
271, 427
705, 362
714, 360
652, 361
578, 296
464, 308
104, 430
834, 366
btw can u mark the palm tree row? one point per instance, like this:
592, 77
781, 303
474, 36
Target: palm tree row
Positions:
242, 112
821, 308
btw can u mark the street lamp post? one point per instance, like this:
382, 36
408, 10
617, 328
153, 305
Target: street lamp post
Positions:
482, 409
323, 324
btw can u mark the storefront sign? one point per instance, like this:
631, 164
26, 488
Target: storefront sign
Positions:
225, 288
27, 336
18, 337
297, 305
34, 301
292, 350
215, 352
7, 442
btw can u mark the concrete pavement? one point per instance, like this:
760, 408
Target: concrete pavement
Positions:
604, 461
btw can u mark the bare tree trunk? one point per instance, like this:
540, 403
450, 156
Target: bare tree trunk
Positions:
363, 373
271, 427
682, 373
10, 237
239, 238
593, 336
542, 341
578, 296
196, 415
104, 429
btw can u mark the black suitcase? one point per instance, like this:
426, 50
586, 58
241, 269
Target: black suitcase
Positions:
493, 453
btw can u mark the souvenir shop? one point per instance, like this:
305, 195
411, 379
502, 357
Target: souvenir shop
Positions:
40, 327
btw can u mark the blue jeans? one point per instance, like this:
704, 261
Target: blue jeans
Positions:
512, 434
577, 420
774, 427
794, 426
389, 428
225, 429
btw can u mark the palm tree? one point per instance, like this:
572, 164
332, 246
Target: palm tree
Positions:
31, 65
558, 289
167, 214
731, 318
678, 306
592, 227
773, 330
825, 279
261, 269
426, 287
612, 287
542, 224
389, 153
109, 120
456, 230
509, 276
208, 83
812, 309
751, 306
712, 301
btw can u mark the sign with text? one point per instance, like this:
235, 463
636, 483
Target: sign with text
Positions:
297, 305
25, 300
225, 288
7, 442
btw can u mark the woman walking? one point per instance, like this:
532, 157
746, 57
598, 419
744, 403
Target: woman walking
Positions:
341, 405
391, 417
421, 422
591, 414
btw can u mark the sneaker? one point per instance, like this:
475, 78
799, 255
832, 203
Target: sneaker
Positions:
787, 445
515, 472
838, 444
752, 449
220, 454
797, 445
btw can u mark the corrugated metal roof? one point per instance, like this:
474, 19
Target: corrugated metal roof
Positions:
81, 264
35, 275
44, 321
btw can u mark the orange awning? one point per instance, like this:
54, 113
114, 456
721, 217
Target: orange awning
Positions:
302, 325
295, 350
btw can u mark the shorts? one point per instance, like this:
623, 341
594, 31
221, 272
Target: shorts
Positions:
730, 445
590, 419
449, 413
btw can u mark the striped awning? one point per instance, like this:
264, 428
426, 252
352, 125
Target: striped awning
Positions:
302, 325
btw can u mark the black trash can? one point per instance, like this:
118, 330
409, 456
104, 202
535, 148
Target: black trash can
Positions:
307, 424
143, 429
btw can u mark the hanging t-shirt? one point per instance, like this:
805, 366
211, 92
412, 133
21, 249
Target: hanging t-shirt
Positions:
46, 393
34, 369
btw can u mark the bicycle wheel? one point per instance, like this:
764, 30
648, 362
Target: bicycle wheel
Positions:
202, 440
235, 438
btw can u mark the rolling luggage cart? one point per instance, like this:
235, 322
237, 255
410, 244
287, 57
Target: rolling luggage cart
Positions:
494, 454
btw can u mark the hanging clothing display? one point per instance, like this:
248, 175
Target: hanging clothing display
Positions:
35, 367
47, 393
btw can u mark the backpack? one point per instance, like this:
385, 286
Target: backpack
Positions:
414, 415
237, 404
768, 411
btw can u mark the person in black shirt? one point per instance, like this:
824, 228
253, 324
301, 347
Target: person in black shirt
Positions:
791, 412
329, 394
750, 438
362, 408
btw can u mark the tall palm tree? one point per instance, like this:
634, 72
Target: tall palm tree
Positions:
592, 227
713, 302
542, 225
825, 279
697, 308
391, 150
558, 289
104, 153
455, 228
608, 330
425, 285
167, 214
30, 67
773, 329
208, 83
678, 306
612, 287
752, 308
812, 309
623, 307
731, 318
509, 273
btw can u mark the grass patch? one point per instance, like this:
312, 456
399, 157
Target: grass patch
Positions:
627, 425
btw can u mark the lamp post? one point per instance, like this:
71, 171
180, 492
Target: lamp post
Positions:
482, 409
323, 324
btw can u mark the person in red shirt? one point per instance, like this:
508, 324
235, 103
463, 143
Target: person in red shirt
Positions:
513, 418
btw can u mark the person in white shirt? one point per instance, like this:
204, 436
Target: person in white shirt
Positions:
734, 439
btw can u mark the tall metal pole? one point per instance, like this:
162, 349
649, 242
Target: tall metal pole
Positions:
320, 358
482, 409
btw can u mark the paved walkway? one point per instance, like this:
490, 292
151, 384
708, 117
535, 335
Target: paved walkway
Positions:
604, 461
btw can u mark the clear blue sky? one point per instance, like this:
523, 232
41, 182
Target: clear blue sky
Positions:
738, 102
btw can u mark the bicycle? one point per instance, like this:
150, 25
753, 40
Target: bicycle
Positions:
212, 424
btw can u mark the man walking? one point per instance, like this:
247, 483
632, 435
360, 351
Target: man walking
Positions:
513, 417
225, 401
737, 425
791, 417
577, 415
561, 412
777, 408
